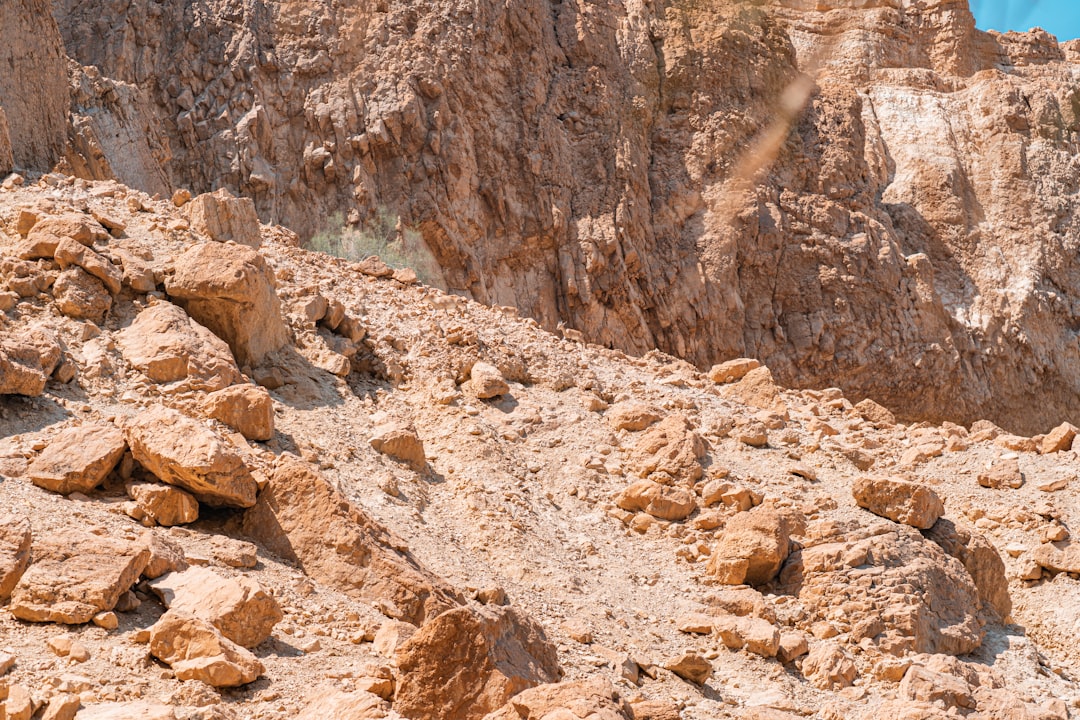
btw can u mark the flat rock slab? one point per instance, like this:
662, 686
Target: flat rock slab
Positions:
78, 459
183, 452
76, 575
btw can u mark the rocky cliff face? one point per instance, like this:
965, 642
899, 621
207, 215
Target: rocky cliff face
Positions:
626, 168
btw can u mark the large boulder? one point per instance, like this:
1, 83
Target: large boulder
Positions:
27, 361
595, 699
754, 545
76, 575
982, 561
81, 296
183, 452
921, 599
301, 517
78, 459
905, 502
239, 607
504, 651
669, 451
70, 252
196, 650
222, 217
169, 347
162, 504
230, 289
661, 501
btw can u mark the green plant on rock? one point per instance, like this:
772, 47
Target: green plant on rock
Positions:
384, 236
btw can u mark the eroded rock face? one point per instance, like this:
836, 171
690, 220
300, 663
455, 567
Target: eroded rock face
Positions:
505, 651
611, 201
230, 290
301, 517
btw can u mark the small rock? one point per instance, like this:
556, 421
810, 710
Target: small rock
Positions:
1004, 473
690, 666
196, 650
732, 370
487, 382
1060, 439
164, 504
62, 707
248, 409
106, 620
904, 502
829, 667
400, 441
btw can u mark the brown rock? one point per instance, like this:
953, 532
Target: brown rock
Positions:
78, 459
660, 501
240, 608
165, 555
81, 296
878, 415
924, 685
758, 389
793, 644
904, 502
230, 290
829, 667
1004, 473
654, 710
183, 452
595, 698
505, 652
62, 706
632, 415
487, 382
1060, 439
7, 158
332, 703
70, 253
1058, 557
75, 576
196, 650
75, 226
15, 539
733, 370
18, 378
982, 561
391, 635
248, 409
20, 703
164, 504
758, 636
670, 447
754, 545
400, 441
169, 347
222, 217
302, 518
690, 666
126, 711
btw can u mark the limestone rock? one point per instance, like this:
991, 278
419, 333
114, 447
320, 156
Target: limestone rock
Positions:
27, 360
733, 370
15, 536
196, 650
81, 296
758, 389
829, 667
248, 409
874, 413
929, 598
18, 378
505, 651
302, 518
78, 459
924, 685
76, 575
670, 447
230, 290
1060, 439
165, 555
391, 635
240, 608
164, 504
62, 706
1058, 557
183, 452
660, 501
71, 253
755, 634
332, 703
899, 500
690, 666
632, 415
487, 382
595, 698
126, 711
754, 545
169, 347
1004, 473
982, 561
223, 217
400, 441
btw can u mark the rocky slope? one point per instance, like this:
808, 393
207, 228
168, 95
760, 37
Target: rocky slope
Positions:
653, 175
244, 480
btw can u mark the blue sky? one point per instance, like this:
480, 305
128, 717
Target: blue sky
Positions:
1059, 17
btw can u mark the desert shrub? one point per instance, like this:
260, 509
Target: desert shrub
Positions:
384, 236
